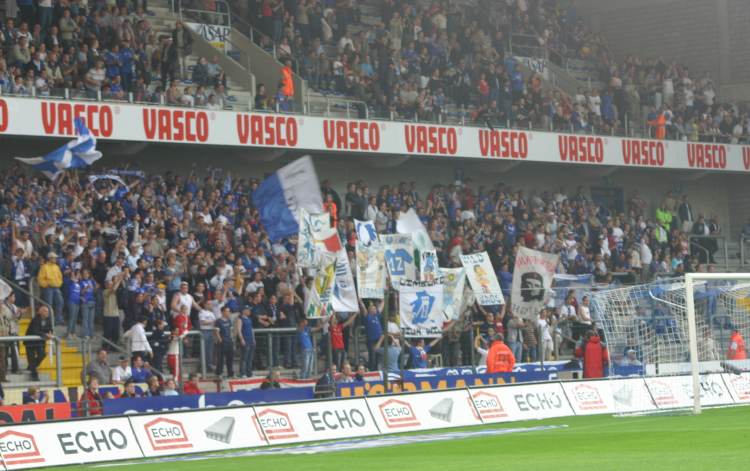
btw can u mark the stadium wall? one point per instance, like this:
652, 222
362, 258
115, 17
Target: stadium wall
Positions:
219, 429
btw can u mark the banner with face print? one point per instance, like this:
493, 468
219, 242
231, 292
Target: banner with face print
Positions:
428, 265
398, 251
344, 298
454, 281
421, 307
532, 281
482, 279
309, 225
370, 261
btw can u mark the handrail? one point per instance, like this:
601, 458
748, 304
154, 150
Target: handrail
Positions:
58, 351
717, 237
32, 298
744, 238
701, 248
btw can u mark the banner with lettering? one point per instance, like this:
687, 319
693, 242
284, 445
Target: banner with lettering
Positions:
370, 261
428, 265
319, 303
216, 35
398, 251
344, 296
454, 281
309, 225
482, 279
421, 307
532, 281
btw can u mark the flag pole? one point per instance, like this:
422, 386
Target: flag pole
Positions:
384, 322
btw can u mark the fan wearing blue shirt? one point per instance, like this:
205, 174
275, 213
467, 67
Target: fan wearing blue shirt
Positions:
373, 320
418, 352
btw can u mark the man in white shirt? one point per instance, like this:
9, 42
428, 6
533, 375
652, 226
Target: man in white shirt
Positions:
139, 345
183, 298
122, 371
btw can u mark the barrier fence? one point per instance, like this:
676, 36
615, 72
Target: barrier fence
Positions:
220, 429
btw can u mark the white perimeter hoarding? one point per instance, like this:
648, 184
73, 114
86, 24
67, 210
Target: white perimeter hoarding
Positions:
739, 386
199, 431
53, 444
677, 391
608, 396
312, 421
423, 411
531, 401
631, 395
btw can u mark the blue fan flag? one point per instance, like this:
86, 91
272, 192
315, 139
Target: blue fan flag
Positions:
78, 153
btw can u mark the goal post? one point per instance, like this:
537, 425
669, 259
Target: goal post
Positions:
677, 335
690, 280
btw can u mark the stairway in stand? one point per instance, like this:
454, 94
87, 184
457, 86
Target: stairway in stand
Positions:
72, 363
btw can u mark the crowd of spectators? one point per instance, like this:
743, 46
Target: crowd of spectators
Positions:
170, 253
103, 50
417, 61
421, 57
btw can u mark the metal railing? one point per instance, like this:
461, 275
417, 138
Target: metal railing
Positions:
222, 16
744, 238
694, 239
33, 299
57, 350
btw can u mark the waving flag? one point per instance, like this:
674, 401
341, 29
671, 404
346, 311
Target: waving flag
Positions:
280, 196
78, 153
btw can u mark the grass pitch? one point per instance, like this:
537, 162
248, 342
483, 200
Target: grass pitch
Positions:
716, 439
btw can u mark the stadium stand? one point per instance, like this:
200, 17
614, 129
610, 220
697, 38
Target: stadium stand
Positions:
399, 60
164, 242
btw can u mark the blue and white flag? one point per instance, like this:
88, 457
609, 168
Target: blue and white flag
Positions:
370, 261
398, 250
78, 153
279, 197
421, 307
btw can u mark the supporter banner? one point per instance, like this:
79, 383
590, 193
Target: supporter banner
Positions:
198, 431
34, 412
423, 411
344, 292
409, 223
532, 281
85, 441
110, 121
294, 423
482, 279
454, 280
310, 224
532, 401
536, 65
428, 265
421, 308
319, 301
398, 251
370, 270
201, 401
677, 391
216, 35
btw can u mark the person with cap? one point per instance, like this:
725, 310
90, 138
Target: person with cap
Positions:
50, 280
122, 372
500, 357
736, 349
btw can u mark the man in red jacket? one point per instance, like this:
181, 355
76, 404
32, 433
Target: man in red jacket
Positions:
595, 355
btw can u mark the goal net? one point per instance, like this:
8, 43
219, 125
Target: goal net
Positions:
648, 328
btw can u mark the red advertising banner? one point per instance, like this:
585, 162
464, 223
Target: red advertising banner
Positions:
34, 412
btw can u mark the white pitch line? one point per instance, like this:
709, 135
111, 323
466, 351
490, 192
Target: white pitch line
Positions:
336, 446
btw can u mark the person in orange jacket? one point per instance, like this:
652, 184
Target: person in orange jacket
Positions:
660, 125
287, 78
500, 357
737, 349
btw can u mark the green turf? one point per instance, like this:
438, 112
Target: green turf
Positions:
716, 439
